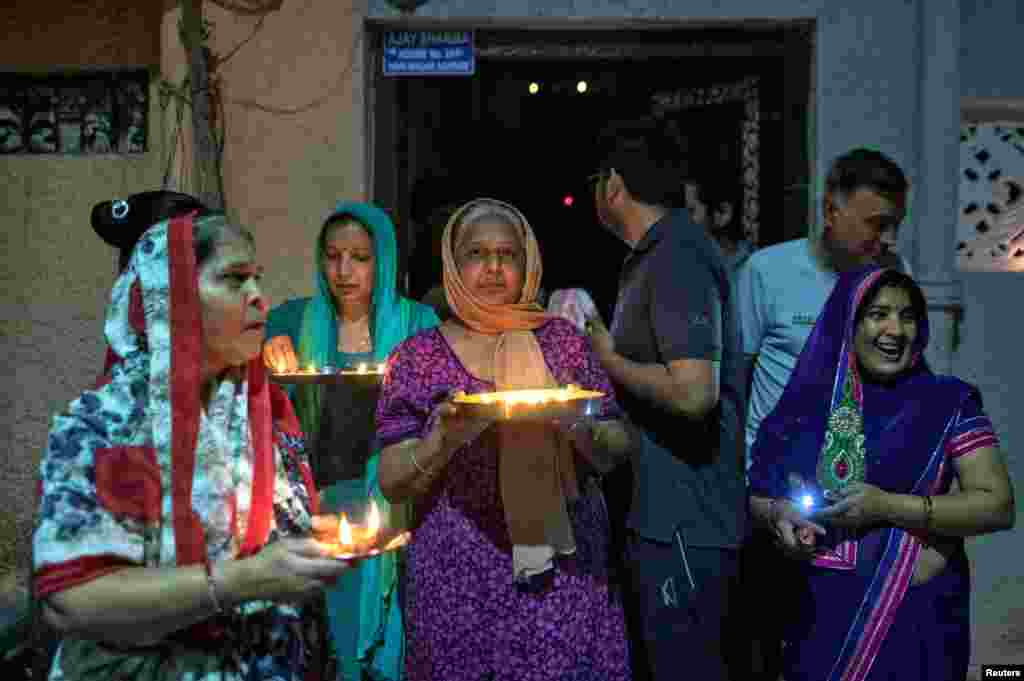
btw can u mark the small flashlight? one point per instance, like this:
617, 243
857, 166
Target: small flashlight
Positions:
805, 501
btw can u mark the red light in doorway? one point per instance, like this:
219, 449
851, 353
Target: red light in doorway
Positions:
567, 201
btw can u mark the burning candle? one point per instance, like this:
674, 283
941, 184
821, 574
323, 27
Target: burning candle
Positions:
362, 367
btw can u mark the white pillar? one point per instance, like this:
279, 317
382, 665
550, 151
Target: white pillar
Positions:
934, 208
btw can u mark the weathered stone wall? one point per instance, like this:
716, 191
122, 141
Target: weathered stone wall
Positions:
54, 272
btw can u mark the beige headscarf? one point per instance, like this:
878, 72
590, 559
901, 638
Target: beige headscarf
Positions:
536, 466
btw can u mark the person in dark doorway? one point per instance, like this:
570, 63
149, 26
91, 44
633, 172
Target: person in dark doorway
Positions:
674, 356
435, 197
780, 291
715, 202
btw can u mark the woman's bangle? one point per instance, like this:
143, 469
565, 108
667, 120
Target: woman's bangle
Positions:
927, 512
211, 586
412, 457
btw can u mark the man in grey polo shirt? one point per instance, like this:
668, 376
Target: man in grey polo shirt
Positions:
674, 355
781, 289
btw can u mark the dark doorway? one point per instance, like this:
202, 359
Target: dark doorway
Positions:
738, 99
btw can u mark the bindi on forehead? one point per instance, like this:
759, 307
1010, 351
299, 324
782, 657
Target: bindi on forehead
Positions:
334, 248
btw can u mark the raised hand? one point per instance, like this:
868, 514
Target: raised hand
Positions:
600, 338
859, 505
453, 430
290, 570
279, 355
795, 533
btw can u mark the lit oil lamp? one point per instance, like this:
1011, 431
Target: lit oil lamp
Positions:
540, 403
308, 370
362, 541
364, 374
363, 369
327, 374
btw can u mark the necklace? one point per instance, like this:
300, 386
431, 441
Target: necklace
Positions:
354, 336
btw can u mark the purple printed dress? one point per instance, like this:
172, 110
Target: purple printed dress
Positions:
466, 618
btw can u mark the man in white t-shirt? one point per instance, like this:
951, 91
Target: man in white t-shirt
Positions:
781, 289
779, 292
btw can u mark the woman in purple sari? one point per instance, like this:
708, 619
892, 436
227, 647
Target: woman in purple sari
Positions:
852, 470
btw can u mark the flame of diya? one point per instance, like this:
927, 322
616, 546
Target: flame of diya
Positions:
352, 536
362, 540
309, 370
363, 368
524, 400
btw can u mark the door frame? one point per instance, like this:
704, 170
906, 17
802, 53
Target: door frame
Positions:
556, 39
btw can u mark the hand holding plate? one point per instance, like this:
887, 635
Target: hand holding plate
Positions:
600, 338
279, 355
455, 429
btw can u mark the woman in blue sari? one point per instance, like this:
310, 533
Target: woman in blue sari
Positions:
852, 470
355, 317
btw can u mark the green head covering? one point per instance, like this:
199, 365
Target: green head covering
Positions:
392, 318
379, 644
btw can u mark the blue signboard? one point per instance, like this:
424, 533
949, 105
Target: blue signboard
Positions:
429, 53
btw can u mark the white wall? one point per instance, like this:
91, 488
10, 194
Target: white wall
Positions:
990, 354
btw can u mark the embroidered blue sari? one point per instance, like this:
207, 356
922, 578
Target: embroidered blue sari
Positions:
857, 616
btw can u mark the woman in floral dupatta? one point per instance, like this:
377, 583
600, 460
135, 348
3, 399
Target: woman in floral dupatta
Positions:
864, 422
175, 510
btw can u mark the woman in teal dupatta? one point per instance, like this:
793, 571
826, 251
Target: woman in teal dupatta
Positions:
363, 609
